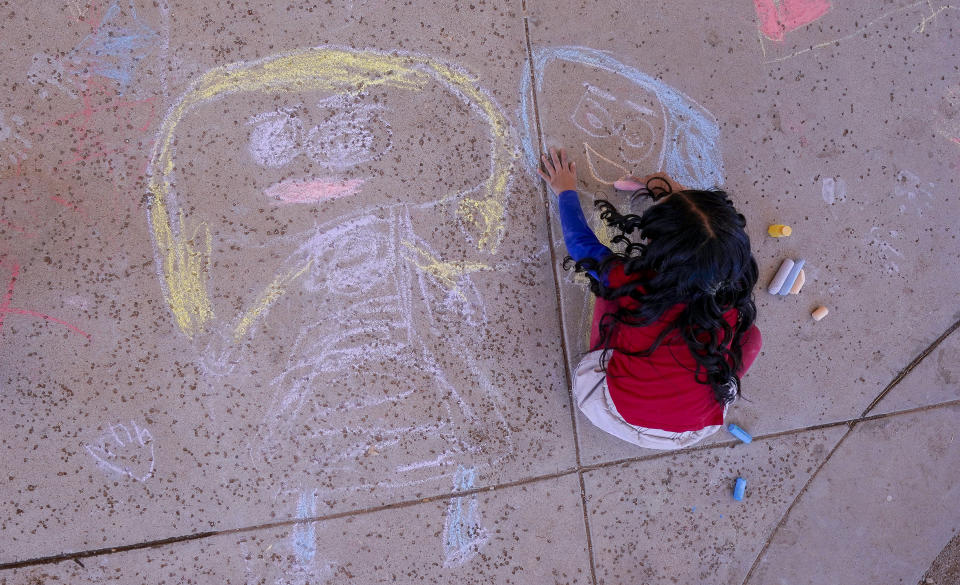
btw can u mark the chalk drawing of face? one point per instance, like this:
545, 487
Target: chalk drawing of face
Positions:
310, 247
618, 132
620, 119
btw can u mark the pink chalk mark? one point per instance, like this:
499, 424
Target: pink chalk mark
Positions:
778, 17
17, 228
14, 273
6, 309
311, 191
65, 203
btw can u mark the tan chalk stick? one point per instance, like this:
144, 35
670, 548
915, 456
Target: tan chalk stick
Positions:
819, 313
798, 284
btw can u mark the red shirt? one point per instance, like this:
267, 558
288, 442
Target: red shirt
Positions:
658, 391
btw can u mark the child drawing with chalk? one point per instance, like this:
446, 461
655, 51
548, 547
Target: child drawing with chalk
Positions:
673, 325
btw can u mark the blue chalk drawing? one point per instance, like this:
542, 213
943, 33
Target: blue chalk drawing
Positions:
304, 537
690, 152
118, 45
463, 536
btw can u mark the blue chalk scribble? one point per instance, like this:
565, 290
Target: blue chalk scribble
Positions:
118, 45
690, 152
304, 537
463, 535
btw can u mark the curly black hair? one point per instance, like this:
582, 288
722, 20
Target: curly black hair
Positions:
693, 250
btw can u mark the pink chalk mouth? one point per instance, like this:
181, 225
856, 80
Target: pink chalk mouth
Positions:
311, 190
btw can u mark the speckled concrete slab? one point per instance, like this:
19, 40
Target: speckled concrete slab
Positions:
866, 178
936, 379
879, 511
674, 520
524, 534
333, 291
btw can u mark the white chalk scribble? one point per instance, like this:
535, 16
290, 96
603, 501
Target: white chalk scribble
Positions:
348, 133
127, 450
915, 193
886, 253
833, 190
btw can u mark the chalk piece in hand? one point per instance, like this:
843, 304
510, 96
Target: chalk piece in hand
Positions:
628, 184
798, 284
791, 277
779, 230
819, 313
780, 277
739, 489
739, 433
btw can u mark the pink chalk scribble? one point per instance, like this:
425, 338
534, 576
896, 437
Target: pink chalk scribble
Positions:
778, 17
311, 191
6, 309
103, 106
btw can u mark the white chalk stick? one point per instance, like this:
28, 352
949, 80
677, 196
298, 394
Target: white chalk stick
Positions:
628, 184
780, 277
819, 313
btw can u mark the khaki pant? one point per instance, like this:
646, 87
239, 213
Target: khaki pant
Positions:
593, 399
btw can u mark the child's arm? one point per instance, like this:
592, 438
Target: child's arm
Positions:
581, 242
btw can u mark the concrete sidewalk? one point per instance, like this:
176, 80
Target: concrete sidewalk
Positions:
285, 300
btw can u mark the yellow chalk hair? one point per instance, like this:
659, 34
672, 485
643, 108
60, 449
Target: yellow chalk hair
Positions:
184, 261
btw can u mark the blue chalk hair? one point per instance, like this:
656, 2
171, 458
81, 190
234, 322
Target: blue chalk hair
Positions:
691, 142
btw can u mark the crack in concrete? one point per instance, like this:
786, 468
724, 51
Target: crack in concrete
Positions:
852, 425
580, 470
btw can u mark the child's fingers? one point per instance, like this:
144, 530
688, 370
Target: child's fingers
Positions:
556, 159
547, 165
564, 164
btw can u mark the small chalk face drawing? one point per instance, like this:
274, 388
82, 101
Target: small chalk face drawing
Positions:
125, 449
352, 313
622, 122
620, 125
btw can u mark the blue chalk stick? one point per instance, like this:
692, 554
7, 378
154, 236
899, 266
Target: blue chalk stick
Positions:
739, 488
739, 433
791, 277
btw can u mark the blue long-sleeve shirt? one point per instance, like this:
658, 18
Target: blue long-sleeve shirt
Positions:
580, 240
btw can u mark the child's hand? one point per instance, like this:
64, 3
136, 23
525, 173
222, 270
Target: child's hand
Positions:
561, 174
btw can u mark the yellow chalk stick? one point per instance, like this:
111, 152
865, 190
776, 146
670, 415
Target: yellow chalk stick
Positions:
819, 313
798, 283
779, 230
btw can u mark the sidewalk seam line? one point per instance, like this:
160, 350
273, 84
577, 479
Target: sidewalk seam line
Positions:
556, 284
409, 503
910, 367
